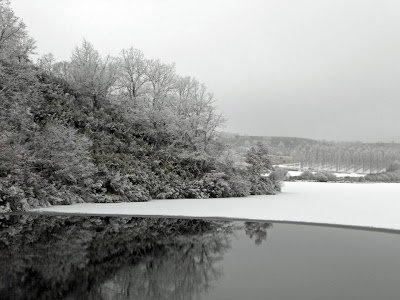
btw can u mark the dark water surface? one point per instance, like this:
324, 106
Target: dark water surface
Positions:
48, 257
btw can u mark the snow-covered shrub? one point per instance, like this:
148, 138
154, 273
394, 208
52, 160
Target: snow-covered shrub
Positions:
263, 186
217, 185
278, 174
240, 186
126, 190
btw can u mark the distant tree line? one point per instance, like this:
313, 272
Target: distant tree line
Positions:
347, 157
330, 156
107, 129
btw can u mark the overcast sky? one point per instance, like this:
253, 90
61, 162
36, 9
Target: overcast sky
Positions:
326, 69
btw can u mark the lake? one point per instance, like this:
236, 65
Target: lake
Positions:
83, 257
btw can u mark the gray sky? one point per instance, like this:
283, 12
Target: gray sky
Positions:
326, 69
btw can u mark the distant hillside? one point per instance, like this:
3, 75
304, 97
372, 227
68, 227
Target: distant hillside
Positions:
273, 142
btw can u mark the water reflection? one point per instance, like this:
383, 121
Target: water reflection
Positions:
257, 230
113, 258
150, 258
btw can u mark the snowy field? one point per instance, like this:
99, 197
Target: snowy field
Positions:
362, 205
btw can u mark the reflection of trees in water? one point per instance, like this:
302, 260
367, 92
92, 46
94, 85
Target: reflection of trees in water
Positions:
257, 230
109, 258
187, 268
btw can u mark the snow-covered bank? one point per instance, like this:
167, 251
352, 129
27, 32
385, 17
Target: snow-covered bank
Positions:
364, 205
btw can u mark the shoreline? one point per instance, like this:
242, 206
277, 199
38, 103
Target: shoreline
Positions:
215, 218
366, 206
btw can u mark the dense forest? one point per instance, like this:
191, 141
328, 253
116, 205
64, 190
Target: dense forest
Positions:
106, 129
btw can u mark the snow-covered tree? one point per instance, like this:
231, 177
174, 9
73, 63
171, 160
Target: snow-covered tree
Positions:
15, 42
132, 77
90, 73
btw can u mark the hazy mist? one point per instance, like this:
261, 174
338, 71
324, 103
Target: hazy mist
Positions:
321, 69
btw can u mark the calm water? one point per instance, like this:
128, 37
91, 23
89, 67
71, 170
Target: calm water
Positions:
148, 258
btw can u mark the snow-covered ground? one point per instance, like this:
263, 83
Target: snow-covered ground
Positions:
365, 205
294, 173
340, 175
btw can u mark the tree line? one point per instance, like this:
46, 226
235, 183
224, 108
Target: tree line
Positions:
324, 155
347, 157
